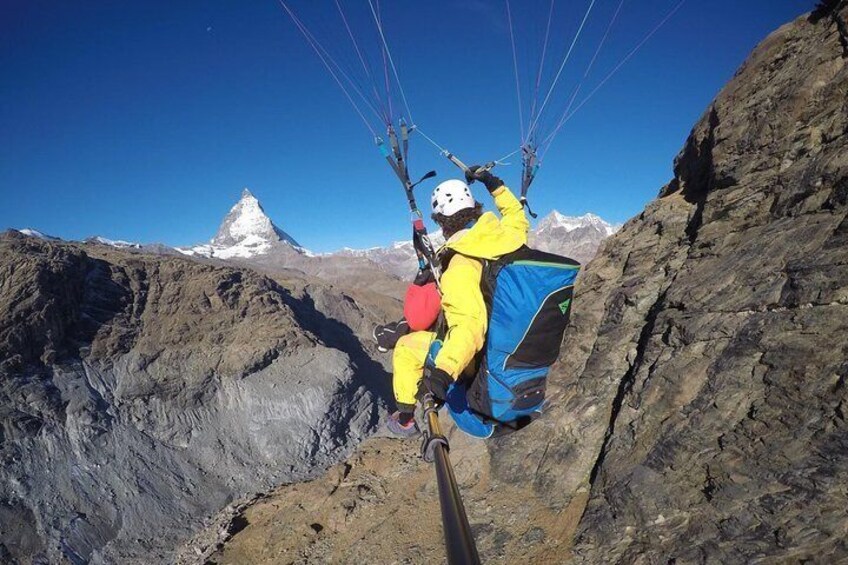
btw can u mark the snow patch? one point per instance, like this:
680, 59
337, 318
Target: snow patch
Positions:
556, 220
29, 232
113, 242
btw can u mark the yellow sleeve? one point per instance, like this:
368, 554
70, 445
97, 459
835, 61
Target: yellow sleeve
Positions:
512, 213
465, 314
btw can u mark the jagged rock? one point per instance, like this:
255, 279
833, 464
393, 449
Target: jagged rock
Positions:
138, 395
712, 336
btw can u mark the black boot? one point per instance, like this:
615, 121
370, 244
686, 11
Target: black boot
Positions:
388, 335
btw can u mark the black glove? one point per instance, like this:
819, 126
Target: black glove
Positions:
436, 383
424, 276
486, 177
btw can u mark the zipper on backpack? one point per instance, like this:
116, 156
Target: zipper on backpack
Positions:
546, 264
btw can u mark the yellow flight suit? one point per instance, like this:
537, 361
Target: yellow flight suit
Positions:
462, 299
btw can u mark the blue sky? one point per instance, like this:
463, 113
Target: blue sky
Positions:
144, 120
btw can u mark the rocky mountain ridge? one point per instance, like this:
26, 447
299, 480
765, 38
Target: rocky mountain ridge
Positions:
247, 236
140, 393
579, 236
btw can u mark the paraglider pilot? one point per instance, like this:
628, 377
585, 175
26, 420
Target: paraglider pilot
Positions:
423, 361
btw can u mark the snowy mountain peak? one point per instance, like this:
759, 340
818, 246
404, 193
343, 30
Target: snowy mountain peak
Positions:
557, 221
246, 232
247, 222
35, 233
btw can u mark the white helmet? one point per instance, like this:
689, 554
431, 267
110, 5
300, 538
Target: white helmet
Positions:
452, 196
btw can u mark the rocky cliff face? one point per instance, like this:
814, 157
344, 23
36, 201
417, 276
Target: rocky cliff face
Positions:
139, 394
714, 331
697, 414
702, 407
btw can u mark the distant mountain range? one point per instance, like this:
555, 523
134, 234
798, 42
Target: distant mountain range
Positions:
575, 236
247, 235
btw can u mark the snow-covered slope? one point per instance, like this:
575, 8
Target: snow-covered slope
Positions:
98, 240
557, 221
114, 242
35, 233
246, 232
575, 236
398, 259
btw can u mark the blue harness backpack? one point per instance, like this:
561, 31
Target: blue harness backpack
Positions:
528, 294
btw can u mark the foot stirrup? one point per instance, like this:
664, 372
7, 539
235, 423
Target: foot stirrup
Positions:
428, 446
431, 440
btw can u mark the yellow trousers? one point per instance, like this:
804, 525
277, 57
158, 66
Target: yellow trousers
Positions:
408, 367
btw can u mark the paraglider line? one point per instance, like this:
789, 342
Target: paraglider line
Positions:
626, 59
579, 87
386, 79
515, 66
386, 115
313, 43
391, 61
561, 67
541, 65
433, 143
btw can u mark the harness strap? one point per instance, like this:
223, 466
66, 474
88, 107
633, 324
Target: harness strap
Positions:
404, 138
529, 168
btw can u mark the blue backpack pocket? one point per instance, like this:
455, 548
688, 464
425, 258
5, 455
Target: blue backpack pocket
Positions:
529, 295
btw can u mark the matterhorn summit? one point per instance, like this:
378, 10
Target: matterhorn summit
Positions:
245, 232
247, 221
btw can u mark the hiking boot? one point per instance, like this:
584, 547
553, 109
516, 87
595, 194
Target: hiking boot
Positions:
397, 429
388, 335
